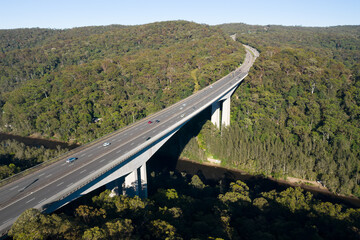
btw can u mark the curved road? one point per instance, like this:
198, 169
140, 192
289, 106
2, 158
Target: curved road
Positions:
36, 189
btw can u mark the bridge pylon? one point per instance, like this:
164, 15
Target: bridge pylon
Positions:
222, 106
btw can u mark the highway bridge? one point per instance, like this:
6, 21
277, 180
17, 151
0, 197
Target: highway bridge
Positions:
117, 160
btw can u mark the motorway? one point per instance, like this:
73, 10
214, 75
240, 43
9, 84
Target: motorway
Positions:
39, 187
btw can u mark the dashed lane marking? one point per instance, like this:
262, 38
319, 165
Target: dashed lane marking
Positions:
30, 200
14, 187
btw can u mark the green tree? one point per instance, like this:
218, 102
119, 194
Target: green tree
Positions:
94, 233
120, 229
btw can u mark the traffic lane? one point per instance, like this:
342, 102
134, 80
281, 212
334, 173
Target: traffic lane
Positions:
55, 170
48, 175
34, 198
30, 183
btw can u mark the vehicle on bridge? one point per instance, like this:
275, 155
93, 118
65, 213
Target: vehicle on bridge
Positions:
70, 160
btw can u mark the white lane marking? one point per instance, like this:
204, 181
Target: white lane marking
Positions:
142, 128
144, 136
69, 185
14, 187
82, 155
48, 175
118, 151
131, 134
43, 200
90, 155
7, 220
42, 174
92, 171
60, 184
17, 200
64, 164
125, 134
154, 131
136, 128
99, 146
118, 140
31, 200
102, 160
132, 143
83, 171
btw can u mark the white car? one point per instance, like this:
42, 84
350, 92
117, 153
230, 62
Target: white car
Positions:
106, 144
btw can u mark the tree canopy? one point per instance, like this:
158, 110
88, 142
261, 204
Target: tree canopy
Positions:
79, 84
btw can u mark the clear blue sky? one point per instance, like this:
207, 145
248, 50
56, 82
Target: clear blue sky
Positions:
77, 13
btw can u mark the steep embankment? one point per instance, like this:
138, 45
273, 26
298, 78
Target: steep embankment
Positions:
297, 114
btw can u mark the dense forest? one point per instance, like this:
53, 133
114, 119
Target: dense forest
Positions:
189, 207
298, 112
16, 156
79, 84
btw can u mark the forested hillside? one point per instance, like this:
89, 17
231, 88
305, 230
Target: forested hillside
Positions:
298, 112
79, 84
339, 42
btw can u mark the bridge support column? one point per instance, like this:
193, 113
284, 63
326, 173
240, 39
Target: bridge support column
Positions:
225, 110
143, 180
215, 114
225, 118
135, 183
